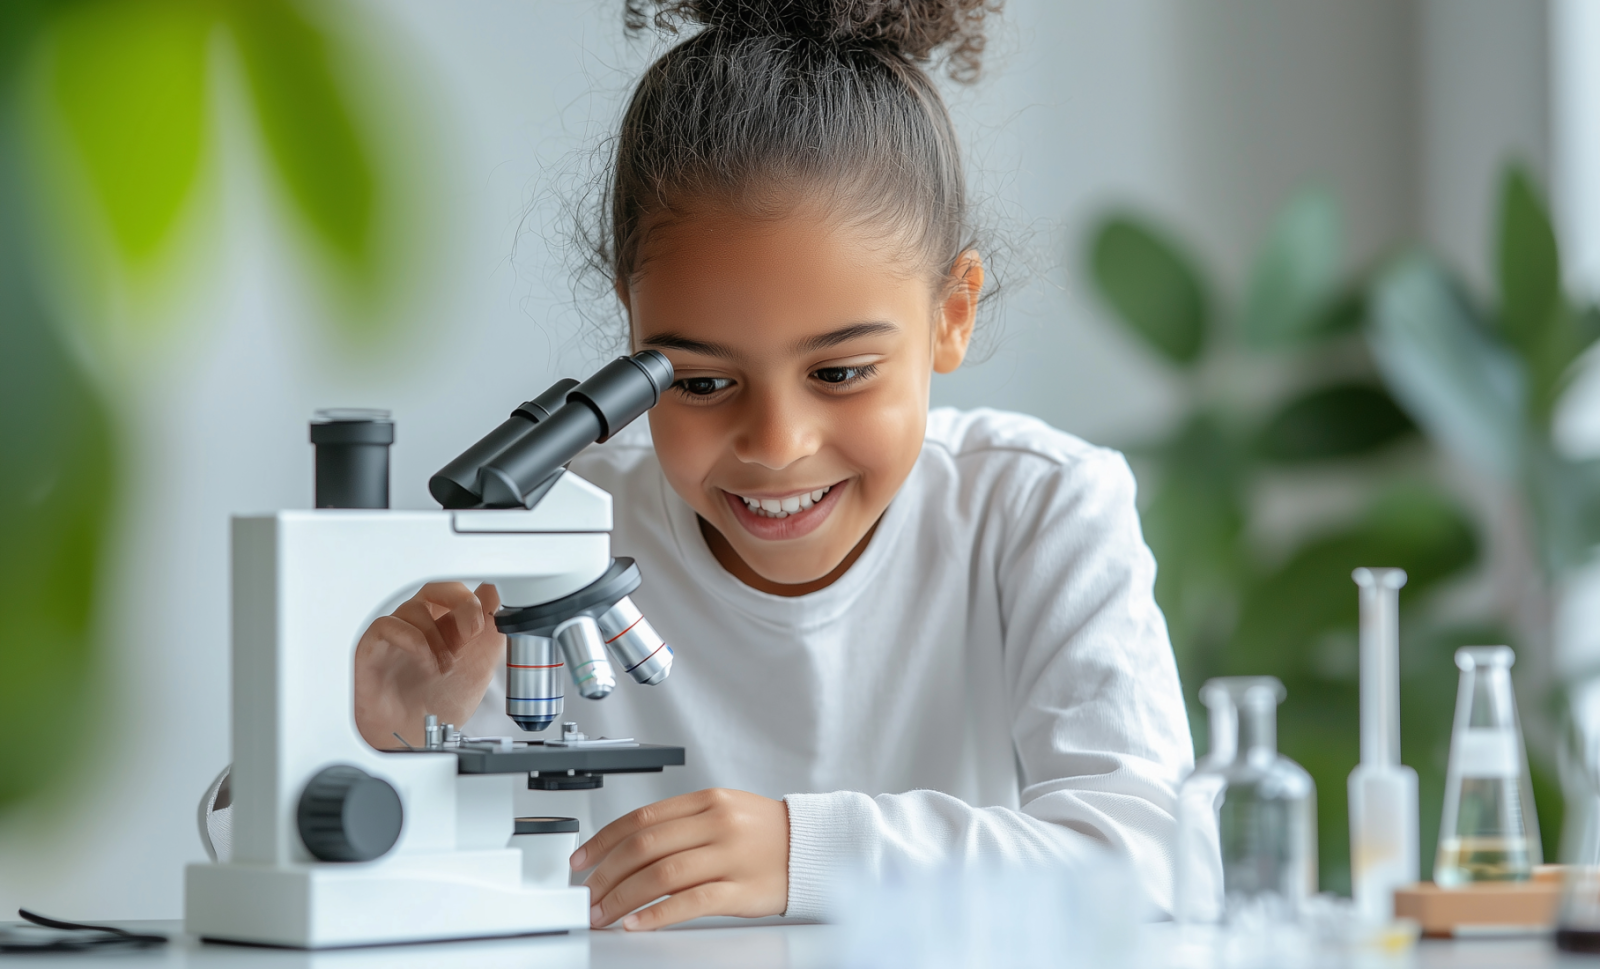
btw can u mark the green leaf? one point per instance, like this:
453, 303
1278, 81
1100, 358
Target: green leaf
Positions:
1343, 312
1564, 496
1534, 315
1151, 286
1464, 390
1193, 524
1284, 616
1296, 272
308, 125
1333, 422
128, 79
55, 503
1529, 265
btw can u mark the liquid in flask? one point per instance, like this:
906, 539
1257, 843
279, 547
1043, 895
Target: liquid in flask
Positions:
1489, 831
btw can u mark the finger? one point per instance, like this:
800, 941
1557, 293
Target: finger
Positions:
449, 615
415, 613
447, 596
389, 639
647, 846
457, 610
490, 597
596, 848
667, 876
710, 898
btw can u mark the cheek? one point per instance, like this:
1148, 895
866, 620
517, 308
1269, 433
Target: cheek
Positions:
881, 433
686, 446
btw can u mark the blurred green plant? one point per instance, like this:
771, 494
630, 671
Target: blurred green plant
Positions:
129, 87
1483, 377
1282, 389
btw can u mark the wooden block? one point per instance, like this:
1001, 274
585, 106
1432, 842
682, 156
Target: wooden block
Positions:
1483, 907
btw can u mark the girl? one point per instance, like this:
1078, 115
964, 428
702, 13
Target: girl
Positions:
903, 637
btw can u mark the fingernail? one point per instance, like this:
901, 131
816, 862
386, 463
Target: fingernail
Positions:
578, 858
631, 922
594, 915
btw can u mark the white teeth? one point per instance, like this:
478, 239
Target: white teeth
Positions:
784, 507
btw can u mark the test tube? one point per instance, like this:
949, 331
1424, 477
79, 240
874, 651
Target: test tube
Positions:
1383, 792
1489, 831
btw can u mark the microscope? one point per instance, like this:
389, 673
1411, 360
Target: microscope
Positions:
336, 843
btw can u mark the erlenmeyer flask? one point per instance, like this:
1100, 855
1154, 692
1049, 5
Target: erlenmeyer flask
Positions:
1247, 828
1578, 919
1489, 831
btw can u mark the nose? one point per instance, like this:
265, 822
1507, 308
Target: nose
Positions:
775, 432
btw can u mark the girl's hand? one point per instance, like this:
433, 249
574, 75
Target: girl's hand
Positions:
436, 654
715, 852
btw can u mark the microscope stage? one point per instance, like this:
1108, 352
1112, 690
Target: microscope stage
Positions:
537, 757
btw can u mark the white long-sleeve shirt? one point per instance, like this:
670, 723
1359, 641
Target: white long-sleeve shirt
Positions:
991, 680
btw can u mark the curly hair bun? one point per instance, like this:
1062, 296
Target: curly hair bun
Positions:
915, 29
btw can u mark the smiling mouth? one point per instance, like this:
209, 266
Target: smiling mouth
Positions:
789, 517
784, 507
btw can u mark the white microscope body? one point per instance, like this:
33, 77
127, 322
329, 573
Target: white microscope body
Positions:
305, 585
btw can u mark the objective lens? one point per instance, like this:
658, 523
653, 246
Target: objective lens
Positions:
585, 653
638, 647
533, 681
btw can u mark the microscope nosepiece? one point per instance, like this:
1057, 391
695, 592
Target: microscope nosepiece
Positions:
585, 653
590, 631
639, 649
533, 681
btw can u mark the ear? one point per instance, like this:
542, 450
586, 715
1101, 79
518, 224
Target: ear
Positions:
958, 312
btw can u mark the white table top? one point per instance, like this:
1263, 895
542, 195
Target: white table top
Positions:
712, 944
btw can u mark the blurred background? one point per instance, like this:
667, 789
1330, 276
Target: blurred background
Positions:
1323, 269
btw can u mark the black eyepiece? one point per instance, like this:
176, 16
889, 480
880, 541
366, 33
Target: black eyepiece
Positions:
514, 465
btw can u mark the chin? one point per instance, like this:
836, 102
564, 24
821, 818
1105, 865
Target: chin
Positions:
785, 570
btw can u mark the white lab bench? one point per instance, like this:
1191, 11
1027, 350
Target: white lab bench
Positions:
706, 944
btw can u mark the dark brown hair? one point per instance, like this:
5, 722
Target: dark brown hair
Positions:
828, 97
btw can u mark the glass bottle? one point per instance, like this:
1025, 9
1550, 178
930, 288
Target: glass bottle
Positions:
1578, 918
1489, 831
1247, 828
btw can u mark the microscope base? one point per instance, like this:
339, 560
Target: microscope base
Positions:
323, 906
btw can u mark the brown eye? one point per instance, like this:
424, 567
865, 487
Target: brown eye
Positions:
844, 376
702, 386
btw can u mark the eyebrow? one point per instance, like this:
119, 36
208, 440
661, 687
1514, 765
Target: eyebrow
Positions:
811, 344
845, 334
672, 341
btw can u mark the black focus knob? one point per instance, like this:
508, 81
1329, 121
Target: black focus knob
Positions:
347, 814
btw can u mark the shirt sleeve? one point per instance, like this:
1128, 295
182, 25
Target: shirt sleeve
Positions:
1098, 721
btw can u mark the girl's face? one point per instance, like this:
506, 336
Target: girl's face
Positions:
803, 350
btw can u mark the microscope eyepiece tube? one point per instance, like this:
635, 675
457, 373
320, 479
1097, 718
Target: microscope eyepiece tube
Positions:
534, 695
352, 457
585, 653
639, 649
456, 484
595, 410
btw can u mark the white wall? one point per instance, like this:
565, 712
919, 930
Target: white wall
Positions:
1207, 113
